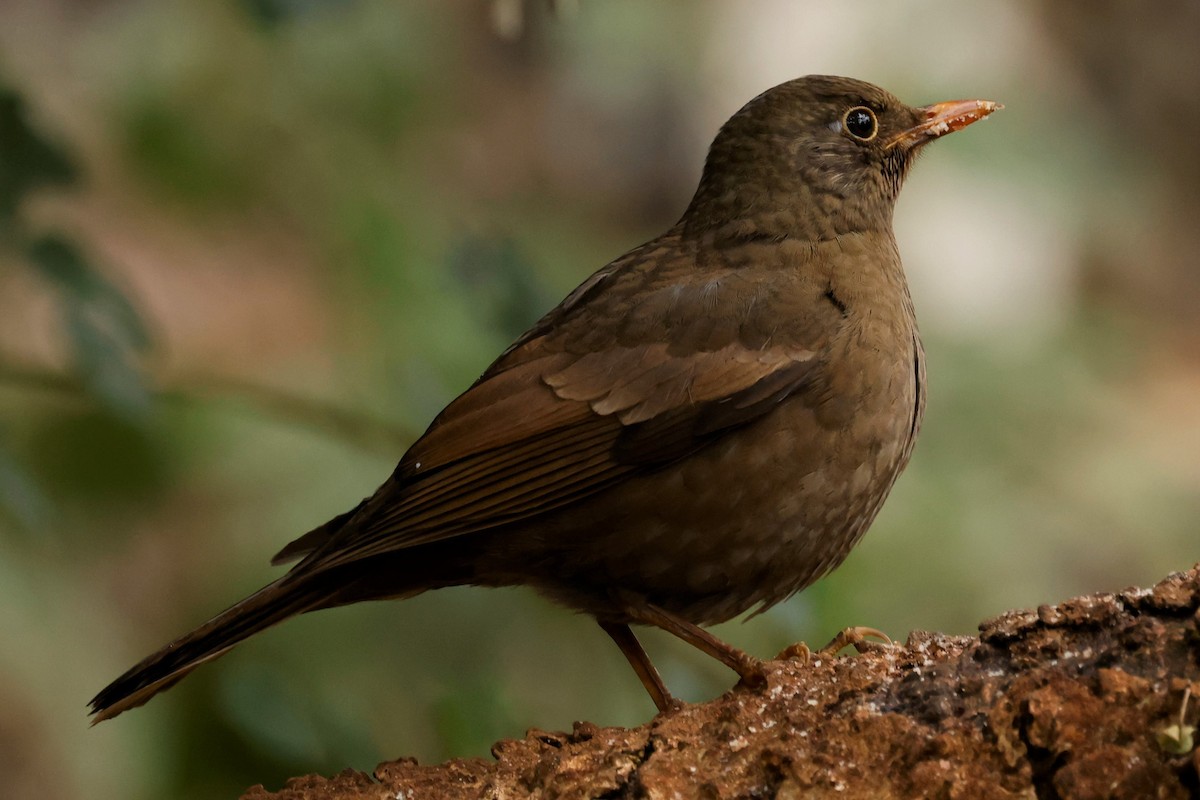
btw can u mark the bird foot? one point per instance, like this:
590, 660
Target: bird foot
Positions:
795, 652
855, 637
752, 671
669, 705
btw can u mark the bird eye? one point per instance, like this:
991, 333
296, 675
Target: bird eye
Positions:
860, 123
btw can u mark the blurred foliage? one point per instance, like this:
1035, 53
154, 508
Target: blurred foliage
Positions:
21, 499
340, 211
29, 160
105, 331
499, 281
172, 149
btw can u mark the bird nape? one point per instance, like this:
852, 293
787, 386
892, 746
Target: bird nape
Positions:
706, 425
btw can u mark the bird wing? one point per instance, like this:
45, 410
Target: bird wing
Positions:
576, 406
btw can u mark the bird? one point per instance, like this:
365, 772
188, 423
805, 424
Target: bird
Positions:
706, 425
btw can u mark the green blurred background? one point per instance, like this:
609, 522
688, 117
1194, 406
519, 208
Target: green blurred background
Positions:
249, 247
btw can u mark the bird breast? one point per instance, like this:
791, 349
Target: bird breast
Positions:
764, 510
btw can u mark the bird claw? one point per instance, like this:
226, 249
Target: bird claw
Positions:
855, 637
795, 652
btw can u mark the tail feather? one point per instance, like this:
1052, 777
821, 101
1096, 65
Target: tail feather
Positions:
314, 538
266, 607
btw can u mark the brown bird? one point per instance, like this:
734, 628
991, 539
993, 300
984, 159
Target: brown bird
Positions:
706, 425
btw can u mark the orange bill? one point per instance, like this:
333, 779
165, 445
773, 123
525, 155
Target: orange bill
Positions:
943, 118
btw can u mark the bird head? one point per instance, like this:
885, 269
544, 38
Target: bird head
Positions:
815, 158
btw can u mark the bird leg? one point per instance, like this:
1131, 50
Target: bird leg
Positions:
745, 665
640, 661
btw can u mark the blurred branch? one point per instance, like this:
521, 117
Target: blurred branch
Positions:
1086, 699
362, 431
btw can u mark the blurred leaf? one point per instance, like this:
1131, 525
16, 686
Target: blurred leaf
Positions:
271, 13
106, 331
174, 149
502, 281
21, 499
61, 261
95, 460
26, 158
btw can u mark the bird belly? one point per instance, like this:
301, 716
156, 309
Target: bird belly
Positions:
746, 522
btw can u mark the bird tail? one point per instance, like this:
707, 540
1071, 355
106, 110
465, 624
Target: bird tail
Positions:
270, 605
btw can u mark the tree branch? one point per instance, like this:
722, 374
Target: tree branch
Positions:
1087, 699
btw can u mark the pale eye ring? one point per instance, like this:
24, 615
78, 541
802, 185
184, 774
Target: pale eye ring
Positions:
860, 123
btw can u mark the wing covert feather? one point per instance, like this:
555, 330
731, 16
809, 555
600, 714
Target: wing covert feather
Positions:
571, 408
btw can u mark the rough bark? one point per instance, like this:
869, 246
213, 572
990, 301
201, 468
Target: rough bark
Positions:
1079, 700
